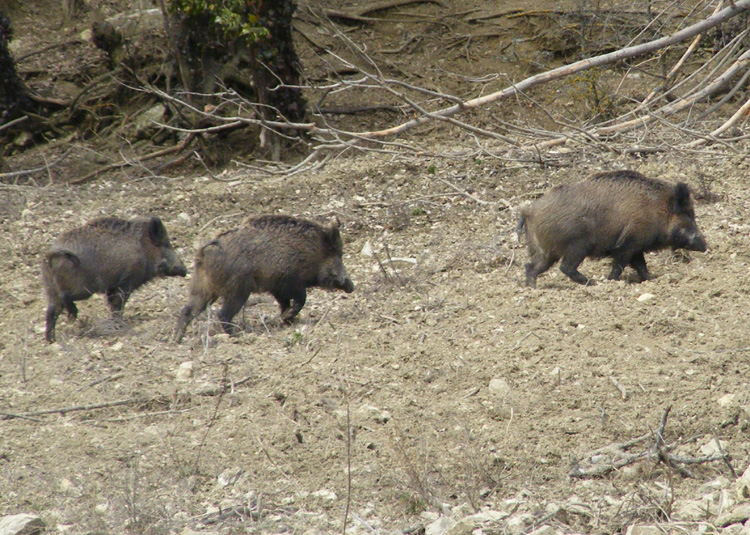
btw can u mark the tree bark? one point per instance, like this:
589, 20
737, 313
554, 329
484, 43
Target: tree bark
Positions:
276, 65
13, 98
205, 61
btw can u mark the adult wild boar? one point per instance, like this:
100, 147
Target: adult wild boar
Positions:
107, 255
619, 214
278, 254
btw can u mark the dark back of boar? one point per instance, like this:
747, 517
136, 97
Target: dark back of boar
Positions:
620, 214
278, 254
107, 255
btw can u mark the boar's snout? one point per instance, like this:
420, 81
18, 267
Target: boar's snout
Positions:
170, 265
348, 286
333, 274
689, 238
698, 243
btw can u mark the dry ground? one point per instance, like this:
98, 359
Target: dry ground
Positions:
378, 402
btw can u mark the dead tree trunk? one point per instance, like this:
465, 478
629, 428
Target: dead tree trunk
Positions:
276, 66
208, 59
13, 98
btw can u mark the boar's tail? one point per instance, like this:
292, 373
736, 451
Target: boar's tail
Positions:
199, 257
521, 225
212, 243
63, 255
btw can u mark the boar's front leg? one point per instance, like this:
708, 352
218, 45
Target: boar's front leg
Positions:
116, 298
291, 302
638, 263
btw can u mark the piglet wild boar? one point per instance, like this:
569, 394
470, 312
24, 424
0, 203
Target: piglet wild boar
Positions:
620, 214
278, 254
107, 255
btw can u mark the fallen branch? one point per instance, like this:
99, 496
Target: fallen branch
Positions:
359, 14
140, 400
605, 460
125, 163
567, 70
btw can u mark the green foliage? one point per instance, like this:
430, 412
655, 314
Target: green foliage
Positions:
296, 338
232, 19
431, 169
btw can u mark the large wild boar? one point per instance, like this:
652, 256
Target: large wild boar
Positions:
107, 255
278, 254
620, 214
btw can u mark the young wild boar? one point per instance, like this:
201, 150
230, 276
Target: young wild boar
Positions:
620, 214
278, 254
106, 255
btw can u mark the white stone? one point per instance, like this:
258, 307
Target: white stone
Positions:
461, 528
367, 249
544, 530
499, 387
229, 477
132, 23
440, 526
185, 219
738, 515
21, 524
370, 412
743, 485
517, 524
184, 371
644, 529
325, 494
645, 297
710, 447
694, 510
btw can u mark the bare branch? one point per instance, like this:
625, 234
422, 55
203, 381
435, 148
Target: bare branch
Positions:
567, 70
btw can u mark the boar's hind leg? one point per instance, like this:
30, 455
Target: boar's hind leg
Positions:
53, 311
618, 264
569, 266
291, 302
229, 309
195, 306
538, 265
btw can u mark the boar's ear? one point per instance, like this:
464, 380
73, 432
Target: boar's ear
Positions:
682, 201
333, 237
156, 231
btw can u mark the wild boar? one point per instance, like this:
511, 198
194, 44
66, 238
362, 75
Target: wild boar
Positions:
107, 255
619, 214
278, 254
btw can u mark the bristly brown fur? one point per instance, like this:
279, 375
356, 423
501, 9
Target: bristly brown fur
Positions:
621, 215
107, 255
278, 254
